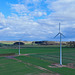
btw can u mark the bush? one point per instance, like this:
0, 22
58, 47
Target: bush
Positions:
71, 44
17, 43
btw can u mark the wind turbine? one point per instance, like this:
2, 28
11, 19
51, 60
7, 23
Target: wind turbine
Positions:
60, 34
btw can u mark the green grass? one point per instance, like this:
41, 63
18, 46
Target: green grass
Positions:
13, 67
63, 71
33, 60
39, 56
55, 56
29, 50
44, 64
37, 50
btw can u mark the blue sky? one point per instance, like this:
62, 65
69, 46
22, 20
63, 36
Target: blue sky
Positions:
5, 6
34, 20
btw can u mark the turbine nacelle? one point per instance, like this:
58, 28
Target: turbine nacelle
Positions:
59, 34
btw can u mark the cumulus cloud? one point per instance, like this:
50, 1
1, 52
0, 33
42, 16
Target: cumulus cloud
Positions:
37, 13
39, 19
2, 19
30, 7
64, 10
17, 26
19, 8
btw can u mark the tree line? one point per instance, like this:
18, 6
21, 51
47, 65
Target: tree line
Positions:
67, 44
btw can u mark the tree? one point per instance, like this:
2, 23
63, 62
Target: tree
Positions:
38, 42
17, 43
71, 44
45, 42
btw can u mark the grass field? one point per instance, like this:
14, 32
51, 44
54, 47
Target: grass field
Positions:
11, 42
13, 67
37, 57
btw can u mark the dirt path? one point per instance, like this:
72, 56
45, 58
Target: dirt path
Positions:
39, 67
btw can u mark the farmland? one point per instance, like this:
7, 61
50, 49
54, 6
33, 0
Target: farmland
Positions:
37, 61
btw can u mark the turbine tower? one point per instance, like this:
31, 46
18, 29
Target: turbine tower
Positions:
19, 47
60, 34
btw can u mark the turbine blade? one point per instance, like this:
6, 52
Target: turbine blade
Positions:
56, 35
59, 27
62, 35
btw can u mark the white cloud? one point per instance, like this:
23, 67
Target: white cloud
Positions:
25, 21
17, 26
29, 7
20, 8
1, 15
2, 19
38, 13
63, 9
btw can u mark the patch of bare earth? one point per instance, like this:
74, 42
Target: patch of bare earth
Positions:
71, 65
24, 54
39, 67
57, 65
47, 74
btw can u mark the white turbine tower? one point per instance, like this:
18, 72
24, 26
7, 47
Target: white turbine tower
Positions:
60, 34
19, 47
